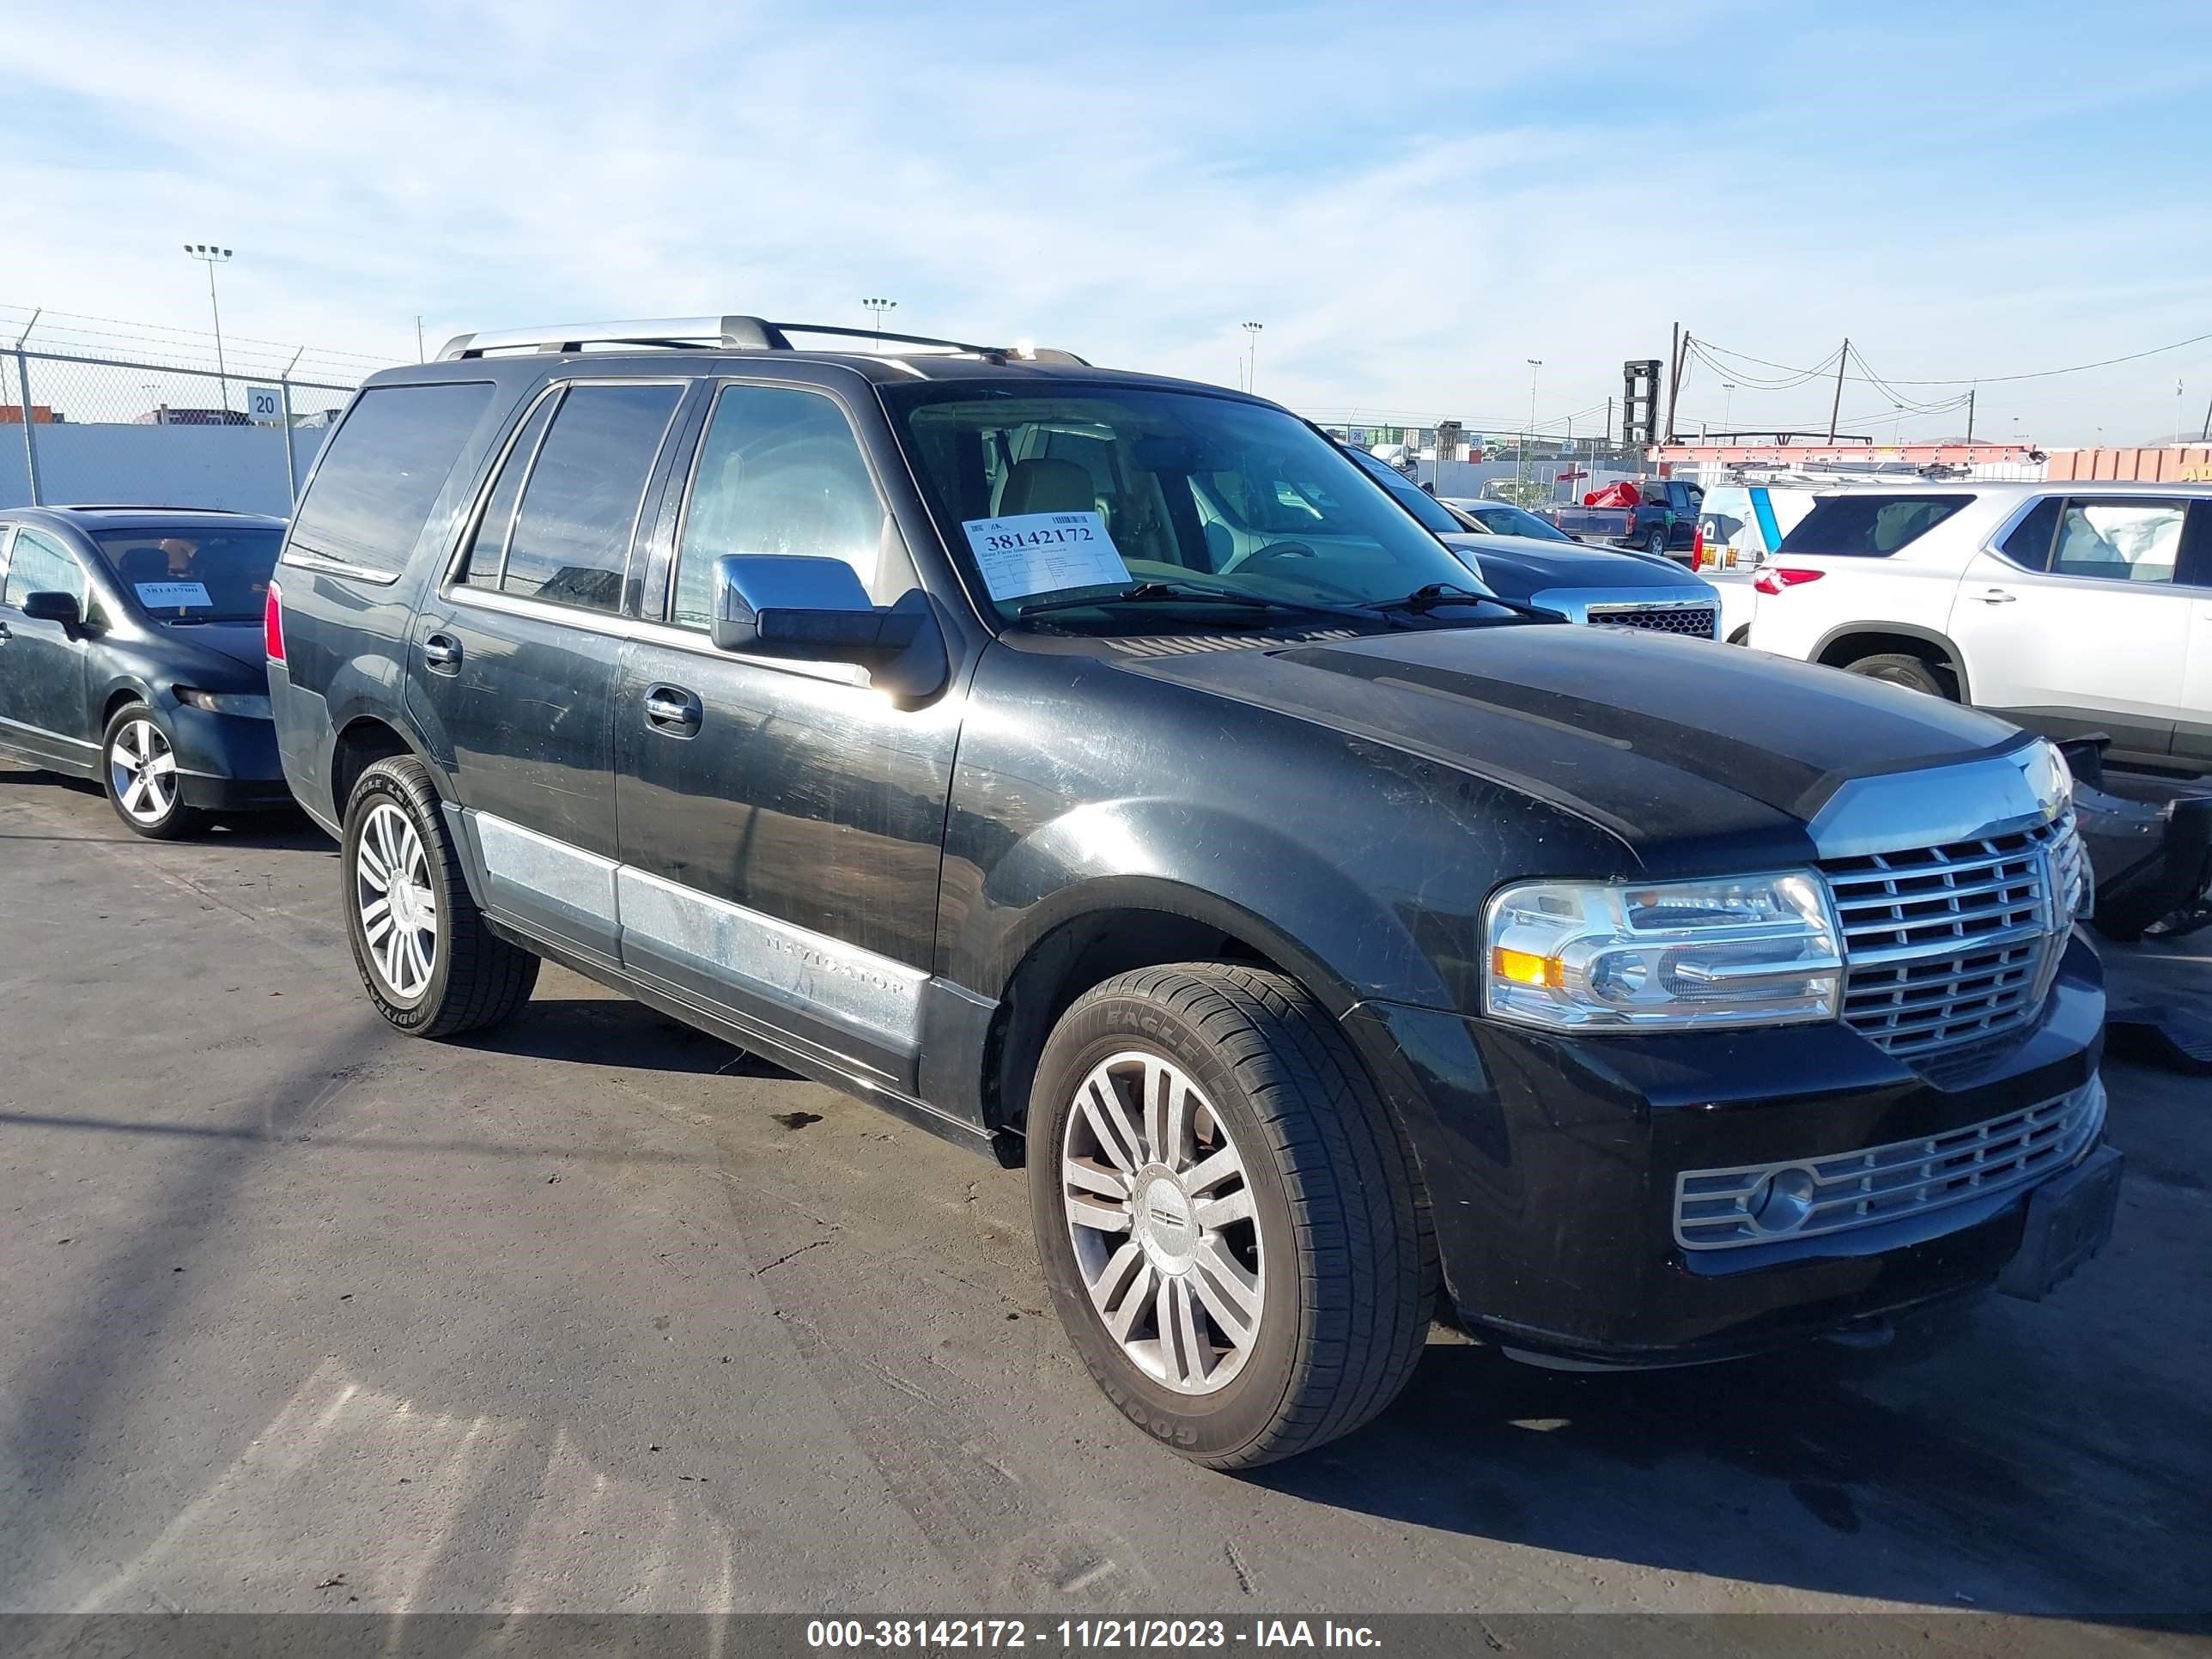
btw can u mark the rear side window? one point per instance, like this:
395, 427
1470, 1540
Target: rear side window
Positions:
2124, 540
375, 486
488, 545
570, 543
1869, 526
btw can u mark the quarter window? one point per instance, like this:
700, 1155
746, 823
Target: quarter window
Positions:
2121, 540
780, 472
570, 543
1868, 526
387, 462
40, 566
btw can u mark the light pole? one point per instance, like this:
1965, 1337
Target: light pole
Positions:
210, 256
1252, 355
1529, 438
1728, 407
880, 306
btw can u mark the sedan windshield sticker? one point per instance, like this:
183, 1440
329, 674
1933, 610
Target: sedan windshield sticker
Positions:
1044, 553
172, 596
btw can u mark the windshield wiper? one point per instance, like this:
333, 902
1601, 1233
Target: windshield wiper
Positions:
1190, 593
1426, 598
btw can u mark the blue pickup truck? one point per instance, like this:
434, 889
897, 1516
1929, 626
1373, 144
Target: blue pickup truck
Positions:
1665, 524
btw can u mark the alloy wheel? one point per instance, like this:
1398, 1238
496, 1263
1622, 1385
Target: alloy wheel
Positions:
398, 906
1161, 1212
142, 772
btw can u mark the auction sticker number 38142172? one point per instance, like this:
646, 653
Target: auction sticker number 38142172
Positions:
1044, 553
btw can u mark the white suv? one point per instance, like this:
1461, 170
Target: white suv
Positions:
2068, 607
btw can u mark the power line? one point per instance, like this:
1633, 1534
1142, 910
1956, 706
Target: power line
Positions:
1974, 379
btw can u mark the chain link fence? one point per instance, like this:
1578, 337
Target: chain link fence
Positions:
124, 416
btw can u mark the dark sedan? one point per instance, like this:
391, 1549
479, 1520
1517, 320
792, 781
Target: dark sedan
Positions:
130, 652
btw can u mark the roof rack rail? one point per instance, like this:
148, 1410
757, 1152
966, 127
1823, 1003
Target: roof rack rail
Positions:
719, 334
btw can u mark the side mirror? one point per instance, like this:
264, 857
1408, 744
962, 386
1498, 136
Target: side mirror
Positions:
814, 609
61, 608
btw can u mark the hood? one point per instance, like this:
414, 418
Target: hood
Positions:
240, 642
1663, 742
1522, 565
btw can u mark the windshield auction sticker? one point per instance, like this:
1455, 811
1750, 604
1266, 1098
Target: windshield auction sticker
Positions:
172, 596
1044, 553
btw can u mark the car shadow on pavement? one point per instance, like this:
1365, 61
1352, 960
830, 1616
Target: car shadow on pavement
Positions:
287, 829
1757, 1472
615, 1031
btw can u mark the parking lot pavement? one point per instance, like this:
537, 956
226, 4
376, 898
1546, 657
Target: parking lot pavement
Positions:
596, 1313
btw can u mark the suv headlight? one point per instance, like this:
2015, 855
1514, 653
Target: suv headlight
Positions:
250, 704
1601, 956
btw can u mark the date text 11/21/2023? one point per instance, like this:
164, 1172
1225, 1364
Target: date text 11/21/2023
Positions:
1084, 1635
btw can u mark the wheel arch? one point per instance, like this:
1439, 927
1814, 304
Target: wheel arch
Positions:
1111, 926
359, 743
122, 689
1840, 647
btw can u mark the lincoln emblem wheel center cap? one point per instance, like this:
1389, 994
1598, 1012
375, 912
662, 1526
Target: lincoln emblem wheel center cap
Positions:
1166, 1225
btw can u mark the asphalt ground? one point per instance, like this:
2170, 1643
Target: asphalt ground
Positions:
595, 1313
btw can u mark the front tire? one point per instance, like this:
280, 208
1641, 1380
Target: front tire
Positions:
429, 962
139, 768
1898, 669
1228, 1216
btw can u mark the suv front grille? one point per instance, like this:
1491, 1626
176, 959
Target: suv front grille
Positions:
1946, 945
1765, 1203
1700, 620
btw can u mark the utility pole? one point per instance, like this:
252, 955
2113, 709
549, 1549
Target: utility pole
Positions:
1970, 391
2205, 436
1836, 409
1673, 374
1608, 423
418, 337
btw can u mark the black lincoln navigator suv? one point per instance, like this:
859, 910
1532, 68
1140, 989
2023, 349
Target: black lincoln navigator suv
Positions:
1100, 768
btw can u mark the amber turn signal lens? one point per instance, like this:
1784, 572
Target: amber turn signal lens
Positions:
1526, 968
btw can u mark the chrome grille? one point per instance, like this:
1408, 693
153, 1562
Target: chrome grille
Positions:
1946, 945
1814, 1197
1701, 620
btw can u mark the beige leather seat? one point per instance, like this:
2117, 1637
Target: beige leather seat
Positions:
1046, 486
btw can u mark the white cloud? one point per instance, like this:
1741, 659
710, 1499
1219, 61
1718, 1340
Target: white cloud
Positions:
1412, 205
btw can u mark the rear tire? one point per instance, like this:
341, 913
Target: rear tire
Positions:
1655, 544
1898, 669
1263, 1252
430, 962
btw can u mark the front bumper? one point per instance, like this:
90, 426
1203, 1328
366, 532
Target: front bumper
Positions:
228, 763
1553, 1163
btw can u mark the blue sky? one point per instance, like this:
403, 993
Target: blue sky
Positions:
1413, 201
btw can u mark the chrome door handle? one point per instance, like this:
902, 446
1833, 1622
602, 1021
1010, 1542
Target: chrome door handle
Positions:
1996, 596
441, 651
672, 709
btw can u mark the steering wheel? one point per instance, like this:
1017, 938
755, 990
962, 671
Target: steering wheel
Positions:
1272, 550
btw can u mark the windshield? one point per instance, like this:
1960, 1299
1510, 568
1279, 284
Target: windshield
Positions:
1061, 490
1427, 511
189, 573
1504, 519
